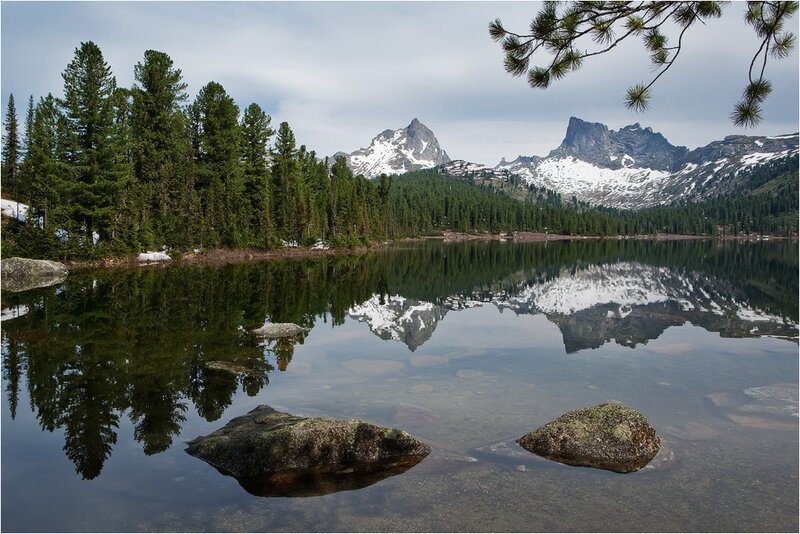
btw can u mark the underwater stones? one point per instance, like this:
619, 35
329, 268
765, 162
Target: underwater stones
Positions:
467, 374
692, 431
412, 415
444, 461
228, 367
506, 450
363, 367
428, 360
770, 407
280, 330
604, 436
663, 460
273, 453
20, 274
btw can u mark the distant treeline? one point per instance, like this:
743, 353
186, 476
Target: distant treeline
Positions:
109, 170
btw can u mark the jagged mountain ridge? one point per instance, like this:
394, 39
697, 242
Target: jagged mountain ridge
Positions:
397, 151
635, 167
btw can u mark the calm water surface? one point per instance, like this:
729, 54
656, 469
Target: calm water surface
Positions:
462, 345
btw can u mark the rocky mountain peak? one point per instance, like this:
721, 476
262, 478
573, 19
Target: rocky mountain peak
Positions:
631, 145
397, 151
585, 136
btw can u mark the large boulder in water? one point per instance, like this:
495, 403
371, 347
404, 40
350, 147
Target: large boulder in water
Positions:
273, 453
605, 436
20, 274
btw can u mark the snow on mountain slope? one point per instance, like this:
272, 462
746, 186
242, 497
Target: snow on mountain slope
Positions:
636, 167
624, 187
398, 151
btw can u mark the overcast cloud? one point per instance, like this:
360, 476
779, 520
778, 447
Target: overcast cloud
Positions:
339, 73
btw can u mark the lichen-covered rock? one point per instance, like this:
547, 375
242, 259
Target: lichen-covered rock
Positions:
273, 453
20, 274
279, 330
605, 436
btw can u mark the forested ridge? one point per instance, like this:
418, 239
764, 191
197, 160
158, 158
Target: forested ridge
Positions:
109, 170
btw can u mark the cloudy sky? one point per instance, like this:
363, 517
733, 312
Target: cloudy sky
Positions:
341, 72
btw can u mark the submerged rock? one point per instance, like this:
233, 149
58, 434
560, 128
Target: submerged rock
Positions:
363, 367
273, 453
228, 367
770, 407
508, 451
278, 330
20, 274
412, 415
605, 436
693, 431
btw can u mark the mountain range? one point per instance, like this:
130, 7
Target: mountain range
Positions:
632, 168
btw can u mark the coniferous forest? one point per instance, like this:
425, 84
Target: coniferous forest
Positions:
109, 171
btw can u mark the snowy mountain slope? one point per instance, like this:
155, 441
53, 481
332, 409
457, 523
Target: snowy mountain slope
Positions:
397, 151
636, 167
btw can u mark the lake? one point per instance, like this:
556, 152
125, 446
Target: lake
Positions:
463, 345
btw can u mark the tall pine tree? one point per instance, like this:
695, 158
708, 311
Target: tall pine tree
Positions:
256, 133
94, 152
44, 160
219, 179
11, 152
286, 173
160, 151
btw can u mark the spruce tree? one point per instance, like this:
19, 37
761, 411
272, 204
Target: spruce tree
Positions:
160, 150
94, 152
219, 177
256, 133
285, 175
11, 152
28, 125
44, 160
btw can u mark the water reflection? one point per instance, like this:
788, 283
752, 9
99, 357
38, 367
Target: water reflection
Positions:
629, 302
152, 344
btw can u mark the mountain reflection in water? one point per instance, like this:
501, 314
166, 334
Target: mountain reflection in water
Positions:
628, 302
149, 343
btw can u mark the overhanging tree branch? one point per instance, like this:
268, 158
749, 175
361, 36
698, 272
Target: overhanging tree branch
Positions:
562, 31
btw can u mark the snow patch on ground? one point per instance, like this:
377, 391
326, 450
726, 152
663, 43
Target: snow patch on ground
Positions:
14, 209
153, 256
13, 312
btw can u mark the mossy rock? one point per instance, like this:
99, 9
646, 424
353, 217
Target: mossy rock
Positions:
605, 436
273, 453
21, 274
